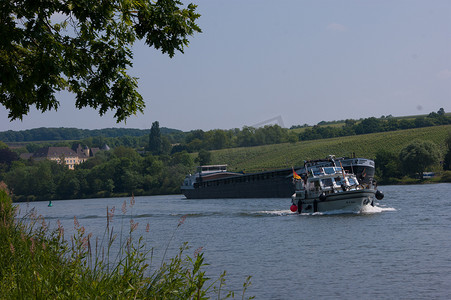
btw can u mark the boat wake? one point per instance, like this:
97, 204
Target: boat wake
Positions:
278, 213
275, 212
365, 211
376, 209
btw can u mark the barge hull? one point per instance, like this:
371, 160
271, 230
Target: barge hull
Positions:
281, 187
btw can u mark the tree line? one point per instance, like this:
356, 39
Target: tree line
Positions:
373, 125
173, 140
118, 172
414, 159
247, 137
62, 134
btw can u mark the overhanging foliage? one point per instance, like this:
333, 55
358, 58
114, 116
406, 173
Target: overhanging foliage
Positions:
83, 47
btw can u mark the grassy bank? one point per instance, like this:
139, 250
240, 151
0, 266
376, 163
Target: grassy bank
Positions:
293, 154
36, 263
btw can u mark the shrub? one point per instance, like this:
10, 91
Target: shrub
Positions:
446, 176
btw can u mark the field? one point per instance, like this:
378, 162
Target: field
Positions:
269, 157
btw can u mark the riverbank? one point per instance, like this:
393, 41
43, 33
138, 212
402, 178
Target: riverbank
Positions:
36, 262
439, 177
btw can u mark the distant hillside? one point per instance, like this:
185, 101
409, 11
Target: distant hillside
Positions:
195, 140
336, 123
278, 156
61, 134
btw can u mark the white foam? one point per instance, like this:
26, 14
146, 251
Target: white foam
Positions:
366, 210
276, 212
376, 209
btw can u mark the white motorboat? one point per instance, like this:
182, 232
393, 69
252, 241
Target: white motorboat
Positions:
331, 188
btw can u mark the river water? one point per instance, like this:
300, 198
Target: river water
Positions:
401, 249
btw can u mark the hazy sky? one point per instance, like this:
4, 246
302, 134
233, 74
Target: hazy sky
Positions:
305, 61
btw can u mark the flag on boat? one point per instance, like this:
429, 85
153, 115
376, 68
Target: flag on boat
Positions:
295, 175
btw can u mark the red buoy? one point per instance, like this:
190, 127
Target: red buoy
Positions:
294, 208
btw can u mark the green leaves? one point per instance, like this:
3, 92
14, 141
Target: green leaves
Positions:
417, 156
83, 47
164, 25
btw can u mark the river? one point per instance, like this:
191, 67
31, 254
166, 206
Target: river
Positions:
398, 250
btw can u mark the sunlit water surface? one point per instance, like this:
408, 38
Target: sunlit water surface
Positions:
400, 249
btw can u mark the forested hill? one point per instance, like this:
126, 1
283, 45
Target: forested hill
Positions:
61, 134
196, 140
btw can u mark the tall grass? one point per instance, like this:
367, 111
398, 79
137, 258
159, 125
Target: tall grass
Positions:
36, 262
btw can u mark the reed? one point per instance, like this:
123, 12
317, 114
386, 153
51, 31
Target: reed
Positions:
36, 262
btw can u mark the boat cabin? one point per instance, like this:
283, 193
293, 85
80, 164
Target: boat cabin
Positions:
212, 169
204, 173
325, 180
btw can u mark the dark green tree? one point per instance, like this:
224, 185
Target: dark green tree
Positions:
181, 158
166, 146
7, 157
68, 186
447, 160
83, 47
155, 143
204, 157
246, 137
195, 145
387, 166
18, 179
368, 125
350, 122
416, 157
197, 134
217, 139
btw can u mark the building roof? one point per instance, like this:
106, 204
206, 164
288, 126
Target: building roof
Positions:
94, 151
55, 152
26, 155
83, 152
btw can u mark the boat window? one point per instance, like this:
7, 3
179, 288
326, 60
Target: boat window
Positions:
329, 170
316, 172
351, 181
327, 182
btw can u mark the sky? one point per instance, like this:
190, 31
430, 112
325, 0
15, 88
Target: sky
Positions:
296, 61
